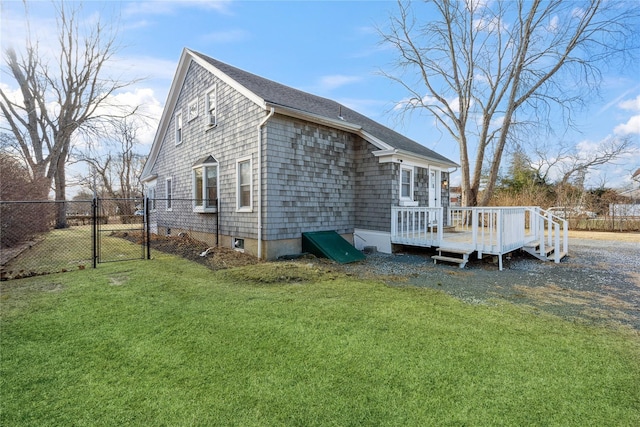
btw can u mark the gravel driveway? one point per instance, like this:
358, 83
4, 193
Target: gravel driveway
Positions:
599, 282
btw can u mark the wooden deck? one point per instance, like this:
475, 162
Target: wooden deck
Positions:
485, 230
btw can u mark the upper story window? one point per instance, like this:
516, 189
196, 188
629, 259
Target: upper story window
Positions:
193, 109
244, 191
211, 105
406, 186
178, 128
205, 185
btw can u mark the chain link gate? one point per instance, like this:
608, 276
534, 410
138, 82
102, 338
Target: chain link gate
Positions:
120, 230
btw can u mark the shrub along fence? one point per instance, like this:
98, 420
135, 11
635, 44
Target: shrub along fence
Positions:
29, 244
606, 223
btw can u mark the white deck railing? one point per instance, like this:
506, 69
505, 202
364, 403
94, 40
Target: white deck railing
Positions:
492, 230
550, 232
417, 226
487, 230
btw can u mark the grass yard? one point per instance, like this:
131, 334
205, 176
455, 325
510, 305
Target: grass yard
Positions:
169, 342
71, 249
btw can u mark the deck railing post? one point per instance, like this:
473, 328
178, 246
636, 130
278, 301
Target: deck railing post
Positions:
550, 229
542, 226
394, 222
474, 228
556, 253
441, 224
499, 229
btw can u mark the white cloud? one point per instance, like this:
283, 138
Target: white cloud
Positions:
631, 104
335, 81
149, 110
631, 127
168, 7
553, 25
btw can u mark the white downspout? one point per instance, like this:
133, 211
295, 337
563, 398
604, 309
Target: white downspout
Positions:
260, 125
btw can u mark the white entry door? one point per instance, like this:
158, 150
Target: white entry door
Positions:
434, 188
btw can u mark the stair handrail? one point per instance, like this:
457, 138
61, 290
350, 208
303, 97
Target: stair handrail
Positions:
548, 220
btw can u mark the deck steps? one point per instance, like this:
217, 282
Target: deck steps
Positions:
454, 260
548, 255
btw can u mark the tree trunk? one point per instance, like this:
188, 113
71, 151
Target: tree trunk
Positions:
60, 180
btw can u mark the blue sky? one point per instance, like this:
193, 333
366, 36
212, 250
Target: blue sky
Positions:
329, 48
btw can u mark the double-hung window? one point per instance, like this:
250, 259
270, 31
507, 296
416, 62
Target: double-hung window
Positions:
211, 105
178, 120
151, 197
406, 186
205, 185
169, 193
244, 191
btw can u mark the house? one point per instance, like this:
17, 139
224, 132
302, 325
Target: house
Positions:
242, 161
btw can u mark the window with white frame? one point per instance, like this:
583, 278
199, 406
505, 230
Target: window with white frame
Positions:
151, 196
244, 190
178, 120
193, 109
205, 185
169, 193
211, 105
406, 186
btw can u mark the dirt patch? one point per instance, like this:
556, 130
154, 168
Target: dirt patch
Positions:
183, 245
284, 272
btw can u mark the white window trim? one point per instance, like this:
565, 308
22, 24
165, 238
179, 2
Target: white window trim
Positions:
179, 118
194, 115
151, 196
211, 122
407, 201
238, 193
204, 209
168, 200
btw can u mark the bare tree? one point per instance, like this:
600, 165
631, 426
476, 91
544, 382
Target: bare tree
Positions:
564, 162
61, 100
115, 173
494, 72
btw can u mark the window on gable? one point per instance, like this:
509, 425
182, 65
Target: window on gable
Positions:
193, 109
245, 187
211, 105
205, 185
178, 128
169, 193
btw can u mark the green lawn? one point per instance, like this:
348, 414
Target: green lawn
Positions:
168, 342
71, 249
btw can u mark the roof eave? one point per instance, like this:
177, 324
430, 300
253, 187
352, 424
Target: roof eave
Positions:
315, 118
395, 155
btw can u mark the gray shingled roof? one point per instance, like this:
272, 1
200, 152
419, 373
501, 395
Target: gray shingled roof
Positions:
285, 96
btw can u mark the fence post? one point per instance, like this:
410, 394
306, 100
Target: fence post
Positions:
147, 227
94, 231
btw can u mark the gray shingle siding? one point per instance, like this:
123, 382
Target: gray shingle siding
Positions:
234, 137
309, 180
374, 190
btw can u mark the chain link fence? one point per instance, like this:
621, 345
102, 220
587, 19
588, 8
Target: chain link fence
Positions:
99, 230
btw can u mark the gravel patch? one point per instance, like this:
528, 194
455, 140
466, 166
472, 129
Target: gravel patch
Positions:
599, 282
